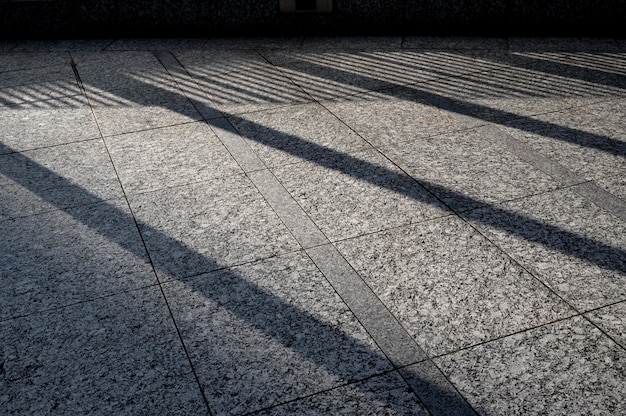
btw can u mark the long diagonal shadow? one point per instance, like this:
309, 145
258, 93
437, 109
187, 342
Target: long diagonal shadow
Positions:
324, 345
477, 111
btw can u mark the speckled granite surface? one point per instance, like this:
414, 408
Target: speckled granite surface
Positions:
372, 226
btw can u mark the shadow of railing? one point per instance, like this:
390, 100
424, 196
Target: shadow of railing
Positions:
326, 354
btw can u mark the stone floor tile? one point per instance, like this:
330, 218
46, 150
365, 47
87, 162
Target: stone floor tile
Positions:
33, 125
61, 45
257, 88
393, 116
56, 177
209, 225
19, 61
253, 42
208, 63
274, 323
169, 156
612, 320
454, 42
141, 108
68, 256
562, 44
465, 170
352, 42
97, 79
615, 185
42, 83
565, 240
383, 395
148, 44
7, 45
350, 195
110, 61
590, 141
567, 368
117, 355
291, 134
449, 286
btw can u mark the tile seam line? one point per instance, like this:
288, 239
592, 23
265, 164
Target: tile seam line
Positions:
558, 171
147, 252
79, 302
348, 383
372, 332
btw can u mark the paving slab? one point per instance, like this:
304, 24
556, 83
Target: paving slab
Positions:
141, 108
397, 115
56, 177
292, 134
567, 368
207, 63
612, 320
568, 242
206, 226
45, 123
615, 185
169, 156
466, 170
383, 395
72, 45
254, 42
350, 195
449, 286
116, 355
24, 60
561, 44
590, 141
41, 83
63, 257
454, 43
352, 42
257, 88
148, 44
276, 322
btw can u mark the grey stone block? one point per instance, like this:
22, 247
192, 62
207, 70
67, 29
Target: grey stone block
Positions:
275, 323
69, 256
561, 369
612, 320
209, 225
449, 286
169, 156
345, 194
116, 355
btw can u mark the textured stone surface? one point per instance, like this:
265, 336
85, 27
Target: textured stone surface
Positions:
59, 45
257, 88
56, 177
567, 368
141, 108
590, 141
289, 135
37, 84
206, 63
382, 395
466, 170
449, 286
562, 44
454, 43
345, 195
156, 44
169, 156
612, 320
353, 42
394, 116
277, 322
206, 226
615, 185
116, 355
63, 257
46, 123
19, 61
568, 242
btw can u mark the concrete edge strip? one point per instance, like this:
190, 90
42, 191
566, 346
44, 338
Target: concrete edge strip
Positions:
581, 186
431, 387
435, 391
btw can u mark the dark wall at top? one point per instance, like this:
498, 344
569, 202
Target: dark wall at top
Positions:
117, 18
